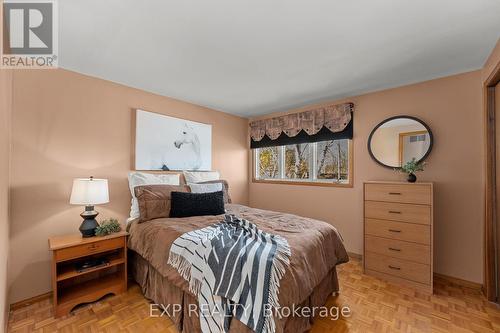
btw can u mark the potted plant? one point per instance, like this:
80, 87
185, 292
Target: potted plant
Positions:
108, 227
411, 167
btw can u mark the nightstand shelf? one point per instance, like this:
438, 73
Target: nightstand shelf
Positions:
70, 272
72, 287
84, 292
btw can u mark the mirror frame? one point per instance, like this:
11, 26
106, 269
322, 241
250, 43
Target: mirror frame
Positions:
431, 137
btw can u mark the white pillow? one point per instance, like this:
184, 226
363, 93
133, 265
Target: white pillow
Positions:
205, 188
200, 176
141, 178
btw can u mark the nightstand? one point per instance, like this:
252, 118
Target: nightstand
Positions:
73, 285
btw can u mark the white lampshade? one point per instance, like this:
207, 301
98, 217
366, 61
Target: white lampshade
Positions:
89, 192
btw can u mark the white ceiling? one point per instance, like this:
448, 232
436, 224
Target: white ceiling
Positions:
251, 57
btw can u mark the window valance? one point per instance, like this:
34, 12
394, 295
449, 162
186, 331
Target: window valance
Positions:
325, 123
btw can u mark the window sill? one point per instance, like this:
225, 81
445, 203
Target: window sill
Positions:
306, 183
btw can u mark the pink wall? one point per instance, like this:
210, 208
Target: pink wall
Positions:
67, 125
5, 115
51, 147
452, 107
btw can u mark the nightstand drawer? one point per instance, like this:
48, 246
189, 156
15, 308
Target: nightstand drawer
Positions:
398, 249
397, 267
398, 212
88, 249
416, 194
410, 232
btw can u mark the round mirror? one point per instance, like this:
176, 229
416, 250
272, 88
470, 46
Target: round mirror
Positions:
398, 140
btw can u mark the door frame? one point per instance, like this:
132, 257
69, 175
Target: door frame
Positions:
491, 209
401, 142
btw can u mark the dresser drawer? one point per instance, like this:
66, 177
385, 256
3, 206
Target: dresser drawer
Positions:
88, 249
398, 249
397, 267
416, 194
417, 233
398, 212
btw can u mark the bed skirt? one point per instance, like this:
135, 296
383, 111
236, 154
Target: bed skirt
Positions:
159, 290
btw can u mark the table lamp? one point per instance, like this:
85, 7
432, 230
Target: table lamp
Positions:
89, 192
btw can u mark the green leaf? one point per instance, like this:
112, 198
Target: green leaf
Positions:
413, 166
108, 227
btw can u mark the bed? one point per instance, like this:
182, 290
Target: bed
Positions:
316, 250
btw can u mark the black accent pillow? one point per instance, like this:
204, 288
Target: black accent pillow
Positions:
183, 204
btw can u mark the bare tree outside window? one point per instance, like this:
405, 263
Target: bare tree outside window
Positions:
326, 161
268, 162
332, 160
297, 158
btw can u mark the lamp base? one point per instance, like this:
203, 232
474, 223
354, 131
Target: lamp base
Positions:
89, 224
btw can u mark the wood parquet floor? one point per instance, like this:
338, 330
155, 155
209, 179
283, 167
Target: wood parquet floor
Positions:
376, 306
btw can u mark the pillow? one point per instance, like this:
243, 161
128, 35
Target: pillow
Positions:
155, 200
205, 188
200, 176
141, 178
225, 188
197, 204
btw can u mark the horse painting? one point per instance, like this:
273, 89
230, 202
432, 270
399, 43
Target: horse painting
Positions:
168, 143
189, 140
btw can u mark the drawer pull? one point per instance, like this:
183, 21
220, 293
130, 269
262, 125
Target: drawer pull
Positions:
394, 193
394, 267
394, 230
393, 249
394, 212
93, 247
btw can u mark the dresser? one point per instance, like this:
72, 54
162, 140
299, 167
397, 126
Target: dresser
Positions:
398, 232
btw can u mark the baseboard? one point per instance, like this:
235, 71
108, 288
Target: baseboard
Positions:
29, 301
354, 255
459, 282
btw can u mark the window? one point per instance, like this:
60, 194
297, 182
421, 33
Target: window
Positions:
268, 163
417, 138
297, 161
325, 162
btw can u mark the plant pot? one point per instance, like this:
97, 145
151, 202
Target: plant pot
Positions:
411, 178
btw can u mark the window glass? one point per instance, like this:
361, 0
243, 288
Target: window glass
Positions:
268, 162
297, 161
332, 157
326, 161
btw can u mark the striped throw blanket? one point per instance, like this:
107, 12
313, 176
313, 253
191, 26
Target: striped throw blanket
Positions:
235, 270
